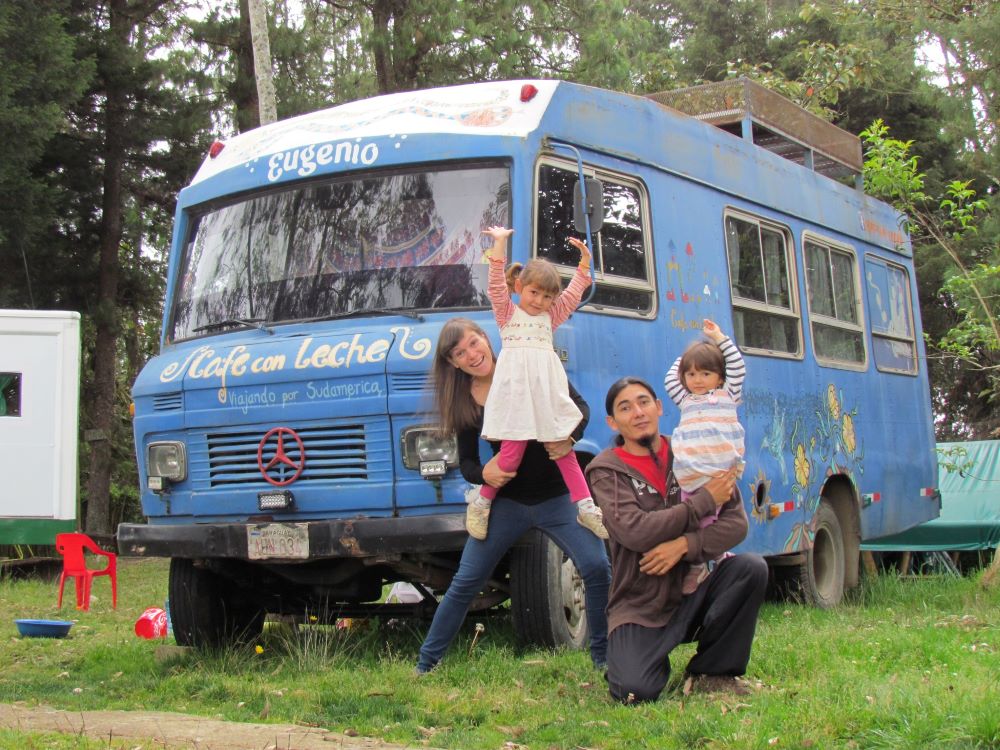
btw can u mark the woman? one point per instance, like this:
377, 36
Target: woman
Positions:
535, 497
655, 539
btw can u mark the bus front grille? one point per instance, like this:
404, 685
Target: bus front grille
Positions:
332, 454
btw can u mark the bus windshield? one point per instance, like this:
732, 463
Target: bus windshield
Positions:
408, 241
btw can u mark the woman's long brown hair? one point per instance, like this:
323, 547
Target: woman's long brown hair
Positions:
453, 401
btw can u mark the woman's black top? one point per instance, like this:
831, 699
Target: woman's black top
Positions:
538, 478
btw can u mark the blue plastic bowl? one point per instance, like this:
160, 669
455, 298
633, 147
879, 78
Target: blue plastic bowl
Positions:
43, 628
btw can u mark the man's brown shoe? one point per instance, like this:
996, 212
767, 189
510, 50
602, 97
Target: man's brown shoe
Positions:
715, 683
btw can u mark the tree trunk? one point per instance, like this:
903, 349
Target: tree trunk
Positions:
243, 89
98, 517
382, 11
133, 357
262, 62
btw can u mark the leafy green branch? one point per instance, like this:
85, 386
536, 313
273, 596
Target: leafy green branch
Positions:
892, 173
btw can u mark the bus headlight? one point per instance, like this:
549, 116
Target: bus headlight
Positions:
425, 449
165, 462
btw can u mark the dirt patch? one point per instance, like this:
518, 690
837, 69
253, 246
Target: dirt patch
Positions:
162, 730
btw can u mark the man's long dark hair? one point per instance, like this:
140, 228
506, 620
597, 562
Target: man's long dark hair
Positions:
609, 406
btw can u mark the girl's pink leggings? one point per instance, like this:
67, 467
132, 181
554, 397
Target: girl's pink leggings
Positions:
511, 453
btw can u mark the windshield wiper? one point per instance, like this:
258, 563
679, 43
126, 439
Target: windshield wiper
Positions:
233, 323
371, 311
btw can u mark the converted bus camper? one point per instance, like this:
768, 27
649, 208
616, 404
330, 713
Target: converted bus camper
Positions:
287, 459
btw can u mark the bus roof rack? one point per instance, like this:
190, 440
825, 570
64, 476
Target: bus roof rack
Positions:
751, 111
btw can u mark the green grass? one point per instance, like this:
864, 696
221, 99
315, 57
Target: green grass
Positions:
908, 663
51, 741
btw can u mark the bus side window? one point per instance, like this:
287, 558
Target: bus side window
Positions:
622, 254
891, 315
761, 276
832, 286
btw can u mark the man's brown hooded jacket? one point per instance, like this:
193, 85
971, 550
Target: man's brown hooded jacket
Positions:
638, 518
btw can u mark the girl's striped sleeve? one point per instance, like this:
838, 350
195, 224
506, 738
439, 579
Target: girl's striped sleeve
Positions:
736, 370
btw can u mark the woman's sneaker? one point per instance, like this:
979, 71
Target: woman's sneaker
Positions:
589, 516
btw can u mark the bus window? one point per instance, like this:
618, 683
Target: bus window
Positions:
621, 248
765, 313
326, 248
891, 314
834, 304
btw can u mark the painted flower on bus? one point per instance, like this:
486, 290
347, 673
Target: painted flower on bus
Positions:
821, 441
832, 403
822, 447
801, 468
847, 434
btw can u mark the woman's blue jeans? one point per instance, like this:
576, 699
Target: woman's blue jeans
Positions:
509, 521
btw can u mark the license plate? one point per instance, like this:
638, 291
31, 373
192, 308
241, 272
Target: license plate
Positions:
285, 540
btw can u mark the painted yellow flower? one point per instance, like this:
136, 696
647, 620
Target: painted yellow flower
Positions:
850, 442
831, 401
801, 465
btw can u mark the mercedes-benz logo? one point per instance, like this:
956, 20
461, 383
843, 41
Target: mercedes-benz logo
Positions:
281, 461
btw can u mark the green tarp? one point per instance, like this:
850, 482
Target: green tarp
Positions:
970, 506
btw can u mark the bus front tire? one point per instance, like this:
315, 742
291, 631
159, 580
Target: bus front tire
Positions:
546, 596
205, 612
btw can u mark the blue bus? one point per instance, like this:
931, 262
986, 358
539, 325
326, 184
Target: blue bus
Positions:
288, 461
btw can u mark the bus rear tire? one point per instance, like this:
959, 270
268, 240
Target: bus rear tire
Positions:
204, 610
821, 578
546, 595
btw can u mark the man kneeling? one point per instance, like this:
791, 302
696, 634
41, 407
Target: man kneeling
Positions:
655, 538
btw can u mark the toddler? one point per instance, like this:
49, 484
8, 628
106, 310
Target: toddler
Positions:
529, 397
706, 382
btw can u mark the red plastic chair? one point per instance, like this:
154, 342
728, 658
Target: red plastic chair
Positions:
72, 547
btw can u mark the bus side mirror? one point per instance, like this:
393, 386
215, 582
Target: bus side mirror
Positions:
594, 208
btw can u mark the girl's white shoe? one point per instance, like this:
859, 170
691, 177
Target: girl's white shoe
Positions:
589, 516
477, 516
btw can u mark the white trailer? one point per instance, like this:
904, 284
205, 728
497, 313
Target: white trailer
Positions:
39, 415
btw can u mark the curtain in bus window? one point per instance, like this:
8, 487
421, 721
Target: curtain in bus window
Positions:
845, 300
745, 267
775, 270
819, 280
409, 241
763, 312
888, 292
833, 294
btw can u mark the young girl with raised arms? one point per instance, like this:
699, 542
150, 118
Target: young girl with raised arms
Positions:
706, 382
529, 397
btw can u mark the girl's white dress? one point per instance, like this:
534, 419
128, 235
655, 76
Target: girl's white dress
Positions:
529, 398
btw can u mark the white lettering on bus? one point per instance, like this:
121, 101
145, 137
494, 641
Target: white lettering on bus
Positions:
421, 347
303, 161
244, 400
203, 363
329, 390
